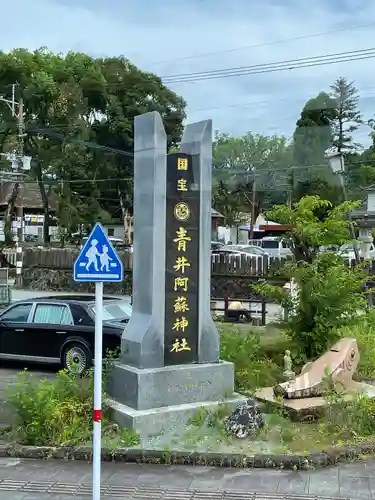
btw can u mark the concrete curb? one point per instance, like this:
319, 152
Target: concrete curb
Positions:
289, 462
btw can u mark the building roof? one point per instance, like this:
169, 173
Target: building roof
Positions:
28, 195
215, 213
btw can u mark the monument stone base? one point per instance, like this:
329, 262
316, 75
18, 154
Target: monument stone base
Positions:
309, 408
158, 399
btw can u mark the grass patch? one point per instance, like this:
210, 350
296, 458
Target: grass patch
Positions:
258, 359
342, 423
58, 412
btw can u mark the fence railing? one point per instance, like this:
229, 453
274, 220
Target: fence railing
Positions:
221, 264
58, 258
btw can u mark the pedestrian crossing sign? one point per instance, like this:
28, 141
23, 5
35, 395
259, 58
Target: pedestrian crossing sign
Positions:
98, 260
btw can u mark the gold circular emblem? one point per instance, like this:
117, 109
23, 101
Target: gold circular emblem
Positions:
182, 211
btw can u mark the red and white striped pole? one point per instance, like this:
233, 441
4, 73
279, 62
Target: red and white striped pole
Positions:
97, 414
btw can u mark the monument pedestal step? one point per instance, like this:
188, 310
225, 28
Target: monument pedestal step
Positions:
156, 420
152, 400
147, 388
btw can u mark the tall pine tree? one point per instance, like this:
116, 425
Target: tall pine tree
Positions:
348, 117
313, 133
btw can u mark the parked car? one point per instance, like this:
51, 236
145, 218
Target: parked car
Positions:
276, 247
347, 251
246, 250
216, 245
251, 250
60, 329
116, 242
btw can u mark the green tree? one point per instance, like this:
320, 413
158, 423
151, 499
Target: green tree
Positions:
79, 114
329, 292
247, 171
348, 117
313, 133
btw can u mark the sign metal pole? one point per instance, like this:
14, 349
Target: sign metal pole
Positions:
97, 414
98, 263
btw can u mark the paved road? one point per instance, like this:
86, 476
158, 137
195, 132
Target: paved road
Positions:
22, 479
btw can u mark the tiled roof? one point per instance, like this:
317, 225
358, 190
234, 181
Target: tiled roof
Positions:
215, 213
28, 195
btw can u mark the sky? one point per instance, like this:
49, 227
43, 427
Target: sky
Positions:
180, 36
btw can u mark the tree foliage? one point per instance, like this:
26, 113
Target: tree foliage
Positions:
348, 117
313, 134
79, 114
329, 292
248, 169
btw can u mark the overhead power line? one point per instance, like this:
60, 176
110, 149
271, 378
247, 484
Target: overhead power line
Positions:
266, 44
275, 100
286, 65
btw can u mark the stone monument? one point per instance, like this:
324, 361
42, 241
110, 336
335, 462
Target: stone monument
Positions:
169, 365
288, 373
304, 395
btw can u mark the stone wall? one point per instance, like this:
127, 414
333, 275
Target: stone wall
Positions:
61, 280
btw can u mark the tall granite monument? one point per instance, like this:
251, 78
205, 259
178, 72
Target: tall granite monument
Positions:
169, 365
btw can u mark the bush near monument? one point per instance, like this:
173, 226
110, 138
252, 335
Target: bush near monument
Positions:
329, 293
58, 412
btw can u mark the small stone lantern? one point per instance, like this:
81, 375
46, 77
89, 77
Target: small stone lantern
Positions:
364, 217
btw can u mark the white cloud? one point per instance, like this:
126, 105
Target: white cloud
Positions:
158, 35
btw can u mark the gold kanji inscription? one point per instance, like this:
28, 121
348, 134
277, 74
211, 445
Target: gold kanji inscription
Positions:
181, 264
180, 324
182, 185
181, 305
180, 345
182, 239
182, 163
181, 284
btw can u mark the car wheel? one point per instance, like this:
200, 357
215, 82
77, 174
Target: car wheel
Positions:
76, 358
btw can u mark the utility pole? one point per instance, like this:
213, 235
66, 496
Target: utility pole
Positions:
253, 200
19, 163
21, 134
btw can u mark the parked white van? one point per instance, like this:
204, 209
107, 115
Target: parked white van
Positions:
276, 247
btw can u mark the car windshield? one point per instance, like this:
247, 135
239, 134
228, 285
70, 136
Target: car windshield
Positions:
346, 248
116, 311
254, 250
270, 243
235, 248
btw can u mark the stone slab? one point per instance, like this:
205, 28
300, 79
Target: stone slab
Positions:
156, 420
144, 389
142, 343
303, 407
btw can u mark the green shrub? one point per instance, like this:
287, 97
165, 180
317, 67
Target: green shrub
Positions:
329, 292
348, 420
363, 330
253, 368
57, 412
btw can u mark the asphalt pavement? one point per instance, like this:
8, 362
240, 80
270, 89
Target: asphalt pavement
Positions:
63, 480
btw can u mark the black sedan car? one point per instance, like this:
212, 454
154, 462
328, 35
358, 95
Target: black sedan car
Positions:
60, 329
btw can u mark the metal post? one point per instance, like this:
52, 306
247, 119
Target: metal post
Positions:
253, 200
264, 312
97, 414
20, 167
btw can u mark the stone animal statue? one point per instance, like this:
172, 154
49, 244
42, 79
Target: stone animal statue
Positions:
339, 364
